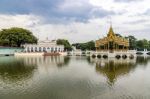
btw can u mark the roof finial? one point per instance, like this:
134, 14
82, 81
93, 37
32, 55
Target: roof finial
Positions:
110, 21
111, 32
47, 37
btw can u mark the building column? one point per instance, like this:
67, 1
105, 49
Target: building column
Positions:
25, 49
33, 49
49, 49
41, 49
56, 49
107, 46
37, 49
29, 49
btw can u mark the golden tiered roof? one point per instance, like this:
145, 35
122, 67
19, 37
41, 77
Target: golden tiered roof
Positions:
112, 37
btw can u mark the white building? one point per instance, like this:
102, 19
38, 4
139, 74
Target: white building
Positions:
44, 46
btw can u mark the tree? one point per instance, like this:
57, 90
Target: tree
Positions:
85, 46
118, 35
132, 42
90, 45
146, 43
140, 45
16, 37
143, 44
65, 43
148, 46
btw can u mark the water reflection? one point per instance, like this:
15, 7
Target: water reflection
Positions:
15, 70
114, 68
21, 69
58, 61
142, 60
59, 77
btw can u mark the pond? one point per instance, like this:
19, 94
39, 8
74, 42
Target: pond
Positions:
58, 77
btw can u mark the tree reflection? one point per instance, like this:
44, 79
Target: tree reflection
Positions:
142, 60
89, 60
65, 63
12, 69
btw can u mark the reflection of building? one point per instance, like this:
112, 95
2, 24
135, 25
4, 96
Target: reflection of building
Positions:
114, 68
46, 64
112, 42
53, 60
44, 46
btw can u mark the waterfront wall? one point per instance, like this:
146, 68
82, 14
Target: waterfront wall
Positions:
6, 51
29, 54
40, 54
129, 53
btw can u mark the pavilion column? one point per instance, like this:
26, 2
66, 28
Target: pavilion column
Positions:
103, 47
117, 46
97, 48
114, 46
123, 47
107, 46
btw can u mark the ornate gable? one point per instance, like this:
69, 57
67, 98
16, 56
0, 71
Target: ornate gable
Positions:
111, 35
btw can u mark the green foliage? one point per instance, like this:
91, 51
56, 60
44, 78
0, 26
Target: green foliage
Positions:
85, 46
143, 44
65, 43
118, 35
138, 44
132, 42
16, 37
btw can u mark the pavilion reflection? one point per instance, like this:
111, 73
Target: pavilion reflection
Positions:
114, 68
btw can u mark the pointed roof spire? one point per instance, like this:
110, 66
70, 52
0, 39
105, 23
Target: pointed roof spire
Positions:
46, 38
111, 32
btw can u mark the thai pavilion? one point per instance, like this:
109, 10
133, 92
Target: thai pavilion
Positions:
112, 43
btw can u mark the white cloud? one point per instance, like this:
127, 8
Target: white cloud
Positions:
128, 21
7, 21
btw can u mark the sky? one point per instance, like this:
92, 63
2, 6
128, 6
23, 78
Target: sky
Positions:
77, 20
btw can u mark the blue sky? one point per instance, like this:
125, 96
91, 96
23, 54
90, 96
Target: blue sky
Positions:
77, 20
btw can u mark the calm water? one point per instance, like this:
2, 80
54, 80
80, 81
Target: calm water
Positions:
74, 78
